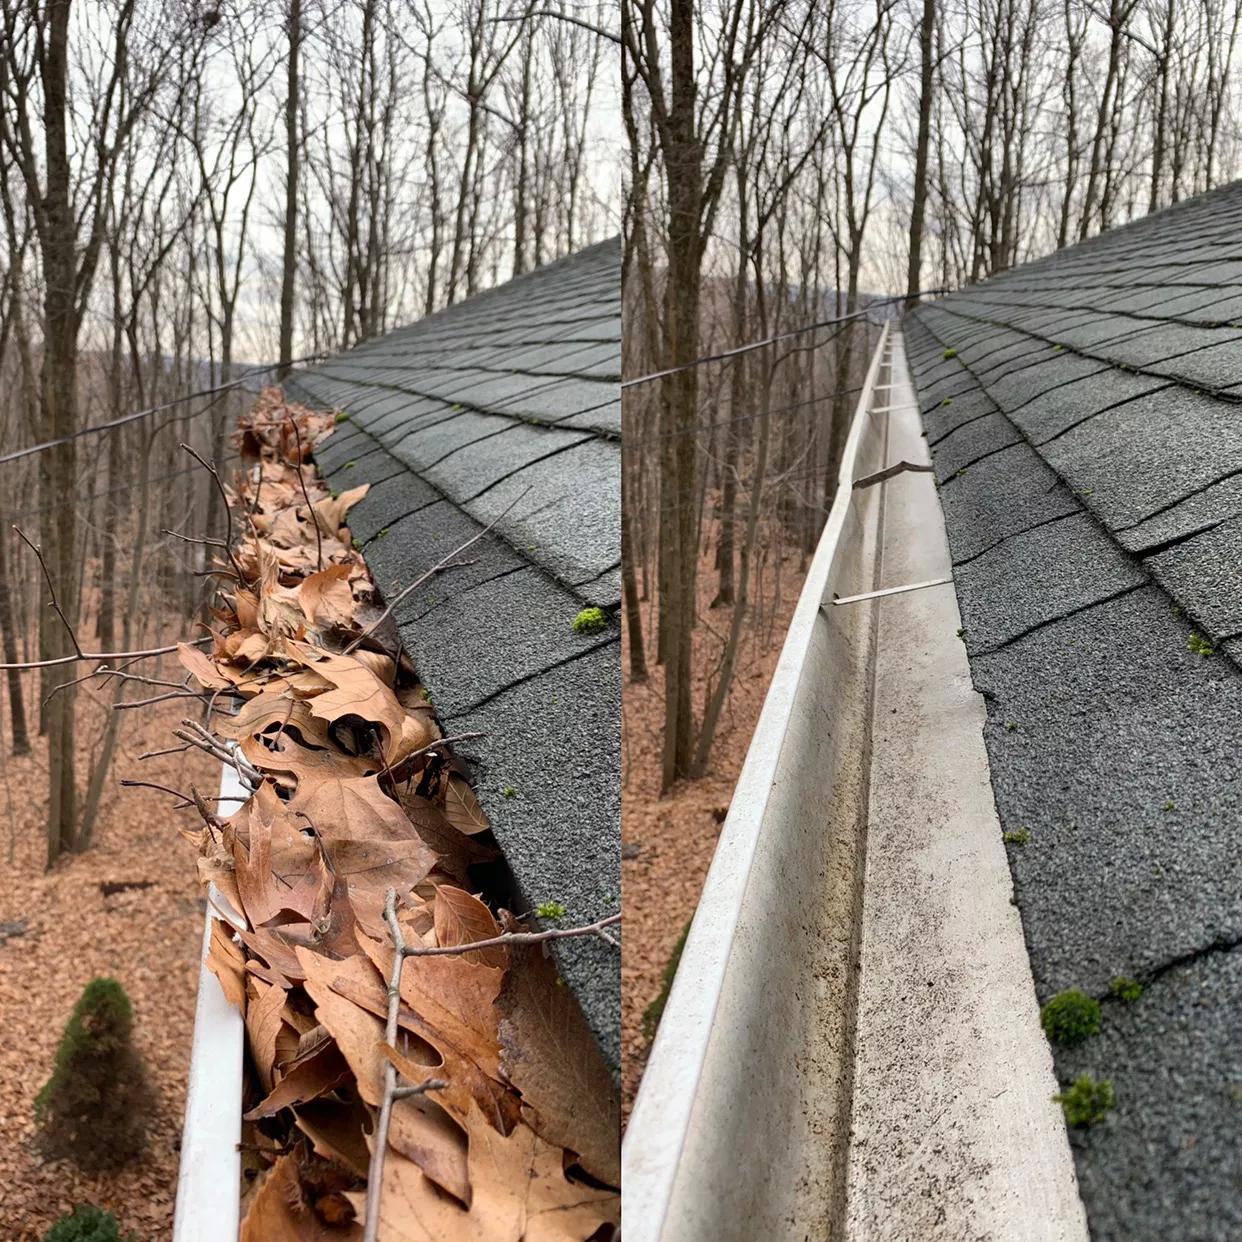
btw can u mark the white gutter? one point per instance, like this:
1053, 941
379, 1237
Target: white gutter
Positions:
851, 1047
727, 1117
209, 1175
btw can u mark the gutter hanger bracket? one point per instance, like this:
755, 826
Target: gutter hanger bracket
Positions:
890, 472
897, 590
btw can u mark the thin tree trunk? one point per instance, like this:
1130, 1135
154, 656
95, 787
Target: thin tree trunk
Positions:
918, 207
289, 264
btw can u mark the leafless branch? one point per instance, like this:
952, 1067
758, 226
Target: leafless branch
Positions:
435, 569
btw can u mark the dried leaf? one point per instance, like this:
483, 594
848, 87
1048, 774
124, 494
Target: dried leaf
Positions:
462, 807
279, 1211
550, 1056
227, 962
202, 667
463, 919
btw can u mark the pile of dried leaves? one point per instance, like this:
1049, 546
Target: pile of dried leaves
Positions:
355, 797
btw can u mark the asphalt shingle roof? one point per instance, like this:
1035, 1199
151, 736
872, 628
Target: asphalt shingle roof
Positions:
506, 408
1086, 433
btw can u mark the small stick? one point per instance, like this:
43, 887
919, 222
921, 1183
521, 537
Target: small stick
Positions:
432, 1084
51, 587
589, 929
228, 509
375, 1174
443, 741
310, 508
435, 569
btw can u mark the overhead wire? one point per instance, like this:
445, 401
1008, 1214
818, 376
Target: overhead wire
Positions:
724, 355
125, 419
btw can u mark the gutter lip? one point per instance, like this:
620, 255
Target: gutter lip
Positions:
661, 1118
209, 1170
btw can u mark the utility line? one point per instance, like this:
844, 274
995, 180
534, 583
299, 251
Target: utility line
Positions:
783, 336
113, 424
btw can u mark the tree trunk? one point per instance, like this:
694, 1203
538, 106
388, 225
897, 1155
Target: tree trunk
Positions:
289, 267
914, 269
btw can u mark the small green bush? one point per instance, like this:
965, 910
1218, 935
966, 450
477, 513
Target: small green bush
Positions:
95, 1107
1070, 1017
87, 1224
590, 621
1200, 646
1019, 836
950, 353
550, 910
1087, 1102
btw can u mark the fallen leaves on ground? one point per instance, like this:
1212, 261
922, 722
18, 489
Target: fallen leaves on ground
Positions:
355, 797
90, 916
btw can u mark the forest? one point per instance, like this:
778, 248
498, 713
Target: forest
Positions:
793, 164
194, 192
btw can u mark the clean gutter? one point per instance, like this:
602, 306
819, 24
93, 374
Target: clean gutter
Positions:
851, 1047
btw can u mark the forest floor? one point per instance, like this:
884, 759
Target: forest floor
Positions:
58, 930
669, 842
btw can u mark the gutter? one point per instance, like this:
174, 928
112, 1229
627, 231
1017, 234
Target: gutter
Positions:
851, 1047
209, 1174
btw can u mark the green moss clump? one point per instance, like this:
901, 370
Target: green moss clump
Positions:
1087, 1102
950, 353
550, 910
87, 1224
1070, 1017
1019, 836
349, 465
947, 401
590, 621
1123, 988
1200, 646
655, 1011
341, 417
1011, 726
509, 792
95, 1107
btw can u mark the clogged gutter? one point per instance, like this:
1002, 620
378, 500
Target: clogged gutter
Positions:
503, 1116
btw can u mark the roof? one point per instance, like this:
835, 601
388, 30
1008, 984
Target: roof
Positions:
506, 408
1083, 414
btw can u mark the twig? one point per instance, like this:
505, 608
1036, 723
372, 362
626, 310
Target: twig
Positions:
589, 929
176, 793
310, 508
435, 569
443, 741
51, 587
205, 740
176, 534
375, 1174
168, 750
129, 704
97, 655
228, 509
432, 1084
